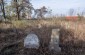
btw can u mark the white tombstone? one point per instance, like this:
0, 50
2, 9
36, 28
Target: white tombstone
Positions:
31, 41
54, 43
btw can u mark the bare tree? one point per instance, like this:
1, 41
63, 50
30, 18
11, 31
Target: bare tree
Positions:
2, 8
40, 12
15, 4
22, 6
26, 8
71, 12
83, 12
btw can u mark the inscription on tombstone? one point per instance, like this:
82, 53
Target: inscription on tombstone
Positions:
31, 41
54, 43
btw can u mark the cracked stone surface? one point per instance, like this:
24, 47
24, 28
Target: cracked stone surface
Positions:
54, 43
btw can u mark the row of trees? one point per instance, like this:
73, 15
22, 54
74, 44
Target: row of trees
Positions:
73, 11
14, 7
20, 8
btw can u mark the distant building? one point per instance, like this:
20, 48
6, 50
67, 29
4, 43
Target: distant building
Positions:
72, 17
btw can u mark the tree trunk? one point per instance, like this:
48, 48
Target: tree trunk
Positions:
3, 10
18, 16
17, 10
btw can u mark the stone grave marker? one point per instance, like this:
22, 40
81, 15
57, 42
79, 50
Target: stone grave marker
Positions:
54, 43
31, 41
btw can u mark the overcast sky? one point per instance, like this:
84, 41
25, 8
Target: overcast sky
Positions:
60, 6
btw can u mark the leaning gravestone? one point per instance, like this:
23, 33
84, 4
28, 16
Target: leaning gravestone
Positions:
31, 41
54, 43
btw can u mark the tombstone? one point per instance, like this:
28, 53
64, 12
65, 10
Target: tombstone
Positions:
31, 41
54, 43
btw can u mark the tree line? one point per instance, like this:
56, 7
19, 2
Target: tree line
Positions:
21, 9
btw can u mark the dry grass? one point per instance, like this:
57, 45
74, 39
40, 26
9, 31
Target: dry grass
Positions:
77, 26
